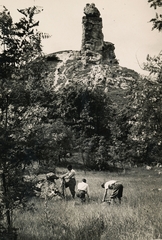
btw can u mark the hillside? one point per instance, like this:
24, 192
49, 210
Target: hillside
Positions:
95, 65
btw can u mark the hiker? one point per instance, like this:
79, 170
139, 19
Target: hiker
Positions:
71, 181
83, 190
115, 188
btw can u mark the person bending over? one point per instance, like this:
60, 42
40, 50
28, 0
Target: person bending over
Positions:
115, 190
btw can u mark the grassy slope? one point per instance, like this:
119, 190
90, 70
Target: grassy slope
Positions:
139, 216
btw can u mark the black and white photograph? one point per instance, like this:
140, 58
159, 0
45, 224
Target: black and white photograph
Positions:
81, 120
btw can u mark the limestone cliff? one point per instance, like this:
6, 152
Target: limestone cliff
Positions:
95, 65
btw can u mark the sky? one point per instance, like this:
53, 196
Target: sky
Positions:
125, 24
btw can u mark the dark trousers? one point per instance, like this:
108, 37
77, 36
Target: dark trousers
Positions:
81, 194
117, 191
71, 185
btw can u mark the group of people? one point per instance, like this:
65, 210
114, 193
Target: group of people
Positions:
112, 188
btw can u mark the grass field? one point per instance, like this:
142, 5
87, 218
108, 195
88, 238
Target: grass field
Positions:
139, 217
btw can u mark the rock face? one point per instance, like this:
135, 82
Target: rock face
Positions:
95, 65
92, 37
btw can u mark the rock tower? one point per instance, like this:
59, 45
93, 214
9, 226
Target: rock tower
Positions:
92, 37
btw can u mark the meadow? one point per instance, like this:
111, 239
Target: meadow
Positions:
139, 217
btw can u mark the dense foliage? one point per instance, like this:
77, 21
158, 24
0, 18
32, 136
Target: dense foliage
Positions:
20, 44
157, 21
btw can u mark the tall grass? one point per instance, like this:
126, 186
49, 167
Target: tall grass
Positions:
139, 217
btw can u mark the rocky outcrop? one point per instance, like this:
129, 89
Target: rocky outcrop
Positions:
108, 53
92, 36
93, 44
91, 11
95, 65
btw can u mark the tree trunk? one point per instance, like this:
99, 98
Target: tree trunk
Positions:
5, 191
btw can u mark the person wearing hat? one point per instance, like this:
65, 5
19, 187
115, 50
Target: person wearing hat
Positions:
83, 190
115, 190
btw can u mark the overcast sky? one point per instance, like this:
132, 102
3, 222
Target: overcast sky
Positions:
125, 23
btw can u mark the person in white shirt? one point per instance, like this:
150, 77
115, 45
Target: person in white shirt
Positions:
83, 190
116, 189
71, 181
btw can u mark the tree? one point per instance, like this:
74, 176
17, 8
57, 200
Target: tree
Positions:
157, 21
154, 64
147, 97
146, 121
86, 111
20, 45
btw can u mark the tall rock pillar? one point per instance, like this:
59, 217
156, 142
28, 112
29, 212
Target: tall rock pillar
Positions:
92, 36
93, 44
